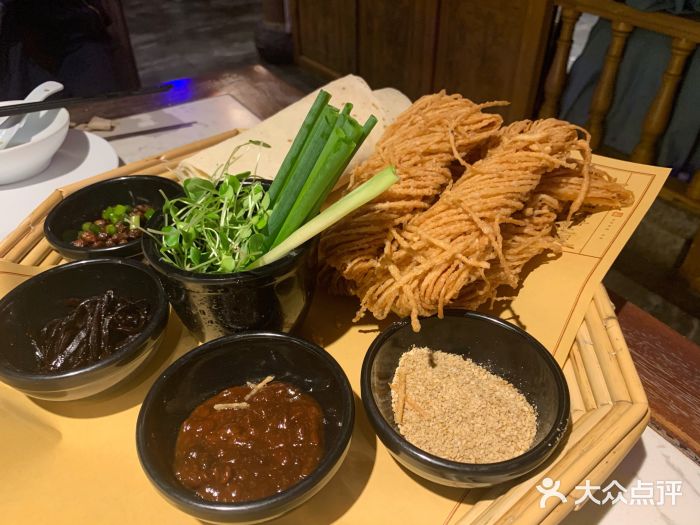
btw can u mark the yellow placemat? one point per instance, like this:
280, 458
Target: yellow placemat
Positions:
75, 461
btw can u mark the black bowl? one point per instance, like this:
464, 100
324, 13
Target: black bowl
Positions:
273, 297
65, 219
231, 361
27, 308
505, 350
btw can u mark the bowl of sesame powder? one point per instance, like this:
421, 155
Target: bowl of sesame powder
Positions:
469, 401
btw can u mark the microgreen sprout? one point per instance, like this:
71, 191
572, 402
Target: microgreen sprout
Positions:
218, 225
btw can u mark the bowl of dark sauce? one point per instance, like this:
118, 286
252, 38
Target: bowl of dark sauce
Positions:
180, 407
80, 328
64, 223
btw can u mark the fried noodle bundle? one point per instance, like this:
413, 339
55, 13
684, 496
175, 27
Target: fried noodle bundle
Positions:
475, 202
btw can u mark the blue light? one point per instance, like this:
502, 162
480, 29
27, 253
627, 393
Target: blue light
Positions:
181, 91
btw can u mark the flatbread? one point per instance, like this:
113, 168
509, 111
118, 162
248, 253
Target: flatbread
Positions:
280, 129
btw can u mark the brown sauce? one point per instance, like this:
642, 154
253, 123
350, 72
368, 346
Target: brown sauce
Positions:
95, 328
249, 452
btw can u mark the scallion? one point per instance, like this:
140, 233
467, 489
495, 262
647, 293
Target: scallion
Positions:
331, 215
302, 168
294, 151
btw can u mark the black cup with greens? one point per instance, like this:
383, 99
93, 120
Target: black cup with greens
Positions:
237, 253
217, 302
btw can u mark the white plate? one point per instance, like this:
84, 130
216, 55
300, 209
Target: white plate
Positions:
82, 155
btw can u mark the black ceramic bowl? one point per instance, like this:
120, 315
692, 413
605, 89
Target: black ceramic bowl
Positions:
65, 219
231, 361
273, 297
27, 308
505, 350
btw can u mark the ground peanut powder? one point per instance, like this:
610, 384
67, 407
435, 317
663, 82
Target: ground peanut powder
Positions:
453, 408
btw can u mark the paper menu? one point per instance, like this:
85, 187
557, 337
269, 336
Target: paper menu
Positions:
554, 296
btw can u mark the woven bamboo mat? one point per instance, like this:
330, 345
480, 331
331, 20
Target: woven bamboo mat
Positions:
609, 406
609, 412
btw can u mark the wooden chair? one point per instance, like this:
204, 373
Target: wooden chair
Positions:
685, 35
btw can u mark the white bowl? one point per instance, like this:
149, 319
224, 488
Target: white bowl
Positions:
34, 145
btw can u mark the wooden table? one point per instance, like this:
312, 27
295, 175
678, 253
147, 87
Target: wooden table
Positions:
666, 361
256, 87
668, 366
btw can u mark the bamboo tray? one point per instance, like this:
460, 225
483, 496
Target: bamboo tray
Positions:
609, 406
